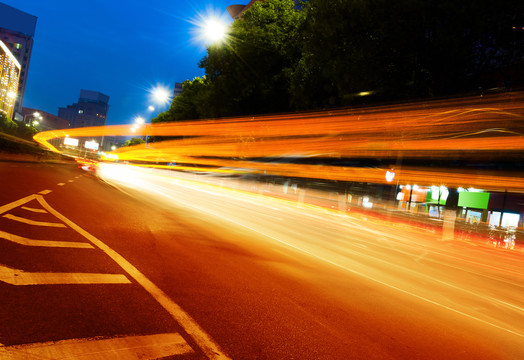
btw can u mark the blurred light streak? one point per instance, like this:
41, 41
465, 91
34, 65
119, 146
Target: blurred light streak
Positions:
411, 263
465, 128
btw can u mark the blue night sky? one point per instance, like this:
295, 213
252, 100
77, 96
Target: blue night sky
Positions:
119, 48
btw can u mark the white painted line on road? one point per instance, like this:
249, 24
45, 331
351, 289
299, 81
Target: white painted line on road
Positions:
33, 222
17, 203
201, 338
129, 348
60, 184
45, 243
34, 210
45, 192
70, 181
20, 277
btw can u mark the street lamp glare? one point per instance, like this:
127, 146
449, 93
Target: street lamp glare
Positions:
160, 95
214, 30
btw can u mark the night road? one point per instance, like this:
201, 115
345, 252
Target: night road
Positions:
136, 263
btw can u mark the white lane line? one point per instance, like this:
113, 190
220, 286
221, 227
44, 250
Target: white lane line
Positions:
201, 338
20, 277
45, 192
32, 222
60, 184
130, 348
42, 211
45, 243
14, 204
70, 180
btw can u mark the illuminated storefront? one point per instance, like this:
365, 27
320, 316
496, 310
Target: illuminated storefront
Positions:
9, 75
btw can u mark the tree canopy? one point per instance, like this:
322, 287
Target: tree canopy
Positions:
134, 141
7, 125
329, 53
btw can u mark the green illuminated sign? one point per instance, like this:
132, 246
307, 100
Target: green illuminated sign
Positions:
478, 200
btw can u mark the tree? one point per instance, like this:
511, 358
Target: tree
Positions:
250, 74
332, 52
134, 141
402, 49
190, 104
7, 125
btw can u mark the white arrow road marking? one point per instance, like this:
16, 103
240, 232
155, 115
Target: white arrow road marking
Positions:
47, 243
20, 277
32, 222
201, 338
129, 348
34, 210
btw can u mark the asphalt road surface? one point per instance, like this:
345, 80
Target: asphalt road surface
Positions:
144, 264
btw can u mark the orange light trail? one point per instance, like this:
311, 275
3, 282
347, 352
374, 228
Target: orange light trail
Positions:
489, 127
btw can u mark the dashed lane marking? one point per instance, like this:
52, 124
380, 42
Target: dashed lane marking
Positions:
45, 192
33, 222
132, 348
44, 243
20, 277
42, 211
70, 180
60, 184
201, 338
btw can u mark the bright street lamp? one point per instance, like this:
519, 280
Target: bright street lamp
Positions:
160, 95
214, 30
210, 26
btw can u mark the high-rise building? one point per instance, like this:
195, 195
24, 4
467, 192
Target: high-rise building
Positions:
17, 30
236, 11
90, 110
178, 90
9, 74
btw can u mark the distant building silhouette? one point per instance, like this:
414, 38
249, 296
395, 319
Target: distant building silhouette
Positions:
17, 30
47, 122
178, 89
90, 110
